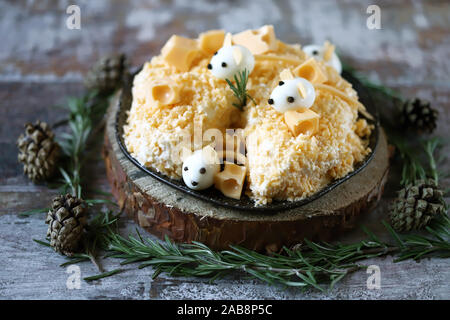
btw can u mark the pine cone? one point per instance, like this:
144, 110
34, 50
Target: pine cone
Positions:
38, 151
415, 206
107, 74
418, 115
66, 221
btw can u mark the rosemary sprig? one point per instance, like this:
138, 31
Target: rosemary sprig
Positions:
240, 89
412, 168
430, 146
83, 112
317, 265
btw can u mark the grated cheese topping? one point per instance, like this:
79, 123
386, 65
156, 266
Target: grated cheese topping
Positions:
280, 166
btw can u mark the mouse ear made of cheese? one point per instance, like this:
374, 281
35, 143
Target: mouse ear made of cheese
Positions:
302, 90
227, 41
328, 50
237, 55
286, 74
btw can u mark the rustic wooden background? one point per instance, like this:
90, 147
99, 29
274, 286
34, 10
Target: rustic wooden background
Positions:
42, 62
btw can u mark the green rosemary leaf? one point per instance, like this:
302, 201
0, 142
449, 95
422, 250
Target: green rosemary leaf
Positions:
217, 276
239, 89
44, 243
430, 146
66, 177
335, 279
309, 281
74, 261
157, 272
394, 234
103, 275
259, 275
295, 283
434, 233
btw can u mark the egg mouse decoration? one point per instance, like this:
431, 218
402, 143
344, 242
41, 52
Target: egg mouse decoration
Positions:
200, 167
325, 53
231, 60
292, 93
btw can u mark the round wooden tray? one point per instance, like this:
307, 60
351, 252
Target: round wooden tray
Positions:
245, 203
163, 210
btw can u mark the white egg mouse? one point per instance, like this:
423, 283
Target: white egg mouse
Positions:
200, 168
292, 94
231, 60
318, 52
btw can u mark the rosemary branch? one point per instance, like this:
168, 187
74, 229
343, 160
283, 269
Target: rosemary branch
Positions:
315, 265
240, 89
83, 112
412, 168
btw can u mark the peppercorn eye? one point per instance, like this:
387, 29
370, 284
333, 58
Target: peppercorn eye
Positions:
270, 101
224, 64
280, 83
315, 52
186, 169
202, 170
290, 99
209, 66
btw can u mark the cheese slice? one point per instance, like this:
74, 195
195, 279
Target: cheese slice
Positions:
328, 51
231, 180
257, 41
286, 74
311, 71
277, 58
345, 97
211, 41
179, 52
305, 122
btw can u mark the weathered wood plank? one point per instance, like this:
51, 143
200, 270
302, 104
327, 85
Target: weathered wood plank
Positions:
30, 271
411, 48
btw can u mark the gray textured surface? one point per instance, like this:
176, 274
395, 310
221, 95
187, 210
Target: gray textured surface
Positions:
41, 62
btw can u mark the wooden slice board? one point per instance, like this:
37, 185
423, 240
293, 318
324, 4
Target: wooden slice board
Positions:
163, 210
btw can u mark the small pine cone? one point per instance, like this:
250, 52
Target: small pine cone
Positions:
107, 74
38, 151
418, 115
66, 222
416, 205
